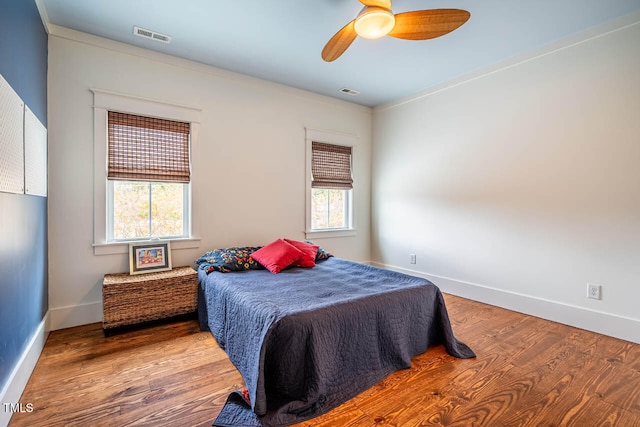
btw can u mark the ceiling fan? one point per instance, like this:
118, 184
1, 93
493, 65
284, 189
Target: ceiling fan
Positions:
376, 20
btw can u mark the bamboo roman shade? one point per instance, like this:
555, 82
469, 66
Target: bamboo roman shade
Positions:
147, 149
331, 166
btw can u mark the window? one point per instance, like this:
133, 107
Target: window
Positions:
330, 190
331, 185
148, 177
151, 204
329, 208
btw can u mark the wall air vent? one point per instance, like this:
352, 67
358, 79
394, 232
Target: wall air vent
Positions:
152, 35
349, 91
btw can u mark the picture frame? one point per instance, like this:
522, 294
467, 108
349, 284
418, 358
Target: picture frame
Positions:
149, 257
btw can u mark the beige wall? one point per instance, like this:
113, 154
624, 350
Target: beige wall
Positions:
521, 186
249, 163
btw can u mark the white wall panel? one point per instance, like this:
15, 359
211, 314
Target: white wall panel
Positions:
11, 140
35, 155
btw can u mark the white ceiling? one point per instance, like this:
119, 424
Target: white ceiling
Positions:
281, 40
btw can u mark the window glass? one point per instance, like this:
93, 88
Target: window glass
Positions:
142, 210
329, 208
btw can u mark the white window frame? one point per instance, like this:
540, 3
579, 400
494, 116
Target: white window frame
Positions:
334, 138
103, 102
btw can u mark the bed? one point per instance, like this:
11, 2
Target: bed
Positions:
308, 339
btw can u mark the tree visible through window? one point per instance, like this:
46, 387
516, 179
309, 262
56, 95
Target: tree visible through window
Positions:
147, 209
328, 209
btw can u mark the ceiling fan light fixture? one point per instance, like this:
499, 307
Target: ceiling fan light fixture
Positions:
374, 22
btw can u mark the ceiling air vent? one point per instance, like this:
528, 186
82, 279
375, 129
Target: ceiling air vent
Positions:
349, 91
152, 35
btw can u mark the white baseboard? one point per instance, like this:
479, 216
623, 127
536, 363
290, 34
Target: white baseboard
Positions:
19, 377
68, 317
603, 323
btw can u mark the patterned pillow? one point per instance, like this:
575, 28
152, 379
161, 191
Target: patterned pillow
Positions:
322, 254
226, 260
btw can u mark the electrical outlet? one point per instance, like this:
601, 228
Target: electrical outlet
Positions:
412, 258
593, 291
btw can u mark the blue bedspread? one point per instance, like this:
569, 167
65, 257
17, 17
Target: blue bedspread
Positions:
307, 340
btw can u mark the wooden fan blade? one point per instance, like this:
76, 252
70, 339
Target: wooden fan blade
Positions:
428, 24
339, 42
385, 4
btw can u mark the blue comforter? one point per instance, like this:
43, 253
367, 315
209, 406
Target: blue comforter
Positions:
307, 340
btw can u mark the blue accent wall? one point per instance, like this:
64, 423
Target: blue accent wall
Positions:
23, 219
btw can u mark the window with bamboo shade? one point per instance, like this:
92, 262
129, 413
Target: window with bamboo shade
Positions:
148, 173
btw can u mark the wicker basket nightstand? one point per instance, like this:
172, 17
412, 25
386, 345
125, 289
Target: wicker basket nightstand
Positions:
130, 300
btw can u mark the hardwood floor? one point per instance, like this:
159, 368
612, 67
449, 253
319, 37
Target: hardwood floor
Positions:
529, 372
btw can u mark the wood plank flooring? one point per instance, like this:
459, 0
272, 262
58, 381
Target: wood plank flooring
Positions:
529, 372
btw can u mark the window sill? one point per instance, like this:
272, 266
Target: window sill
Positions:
115, 248
328, 234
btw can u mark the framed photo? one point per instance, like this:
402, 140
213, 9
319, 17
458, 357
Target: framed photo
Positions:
149, 257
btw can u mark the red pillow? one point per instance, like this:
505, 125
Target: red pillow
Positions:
277, 255
308, 258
